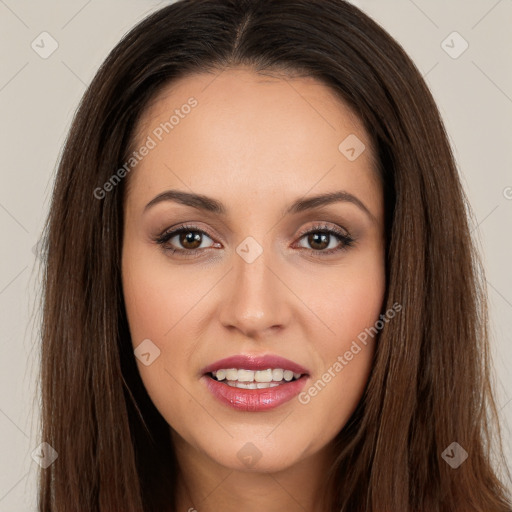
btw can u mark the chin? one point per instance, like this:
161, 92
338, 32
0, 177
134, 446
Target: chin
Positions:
255, 454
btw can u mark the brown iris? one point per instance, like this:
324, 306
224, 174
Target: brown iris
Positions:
190, 237
318, 239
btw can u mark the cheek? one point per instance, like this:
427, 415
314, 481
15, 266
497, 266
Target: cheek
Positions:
157, 300
346, 299
157, 297
349, 302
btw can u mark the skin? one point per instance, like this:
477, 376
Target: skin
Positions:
256, 143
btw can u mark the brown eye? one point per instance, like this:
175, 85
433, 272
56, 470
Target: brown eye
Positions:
190, 239
184, 240
318, 241
324, 240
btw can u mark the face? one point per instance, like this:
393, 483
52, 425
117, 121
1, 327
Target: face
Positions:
225, 255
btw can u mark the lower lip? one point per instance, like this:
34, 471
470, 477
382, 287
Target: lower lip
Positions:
254, 400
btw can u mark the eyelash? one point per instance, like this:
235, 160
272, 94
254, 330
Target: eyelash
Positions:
345, 239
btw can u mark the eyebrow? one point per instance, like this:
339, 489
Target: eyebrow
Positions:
202, 202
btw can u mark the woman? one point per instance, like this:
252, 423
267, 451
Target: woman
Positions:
261, 289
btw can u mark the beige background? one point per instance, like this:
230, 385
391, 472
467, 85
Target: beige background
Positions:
38, 98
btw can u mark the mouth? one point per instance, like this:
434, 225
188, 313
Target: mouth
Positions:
249, 383
249, 379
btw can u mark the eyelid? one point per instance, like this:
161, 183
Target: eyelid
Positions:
324, 226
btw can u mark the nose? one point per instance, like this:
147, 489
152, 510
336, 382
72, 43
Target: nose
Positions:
257, 300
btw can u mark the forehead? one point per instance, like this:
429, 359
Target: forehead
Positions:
251, 132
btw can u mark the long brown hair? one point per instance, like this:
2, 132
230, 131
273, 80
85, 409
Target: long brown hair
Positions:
430, 382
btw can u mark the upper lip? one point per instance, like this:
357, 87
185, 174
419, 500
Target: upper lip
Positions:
253, 362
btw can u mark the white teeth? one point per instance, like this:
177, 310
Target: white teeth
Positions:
245, 376
272, 376
243, 385
277, 374
231, 374
263, 376
263, 385
252, 385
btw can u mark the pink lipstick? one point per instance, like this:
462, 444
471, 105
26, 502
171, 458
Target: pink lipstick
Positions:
254, 383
